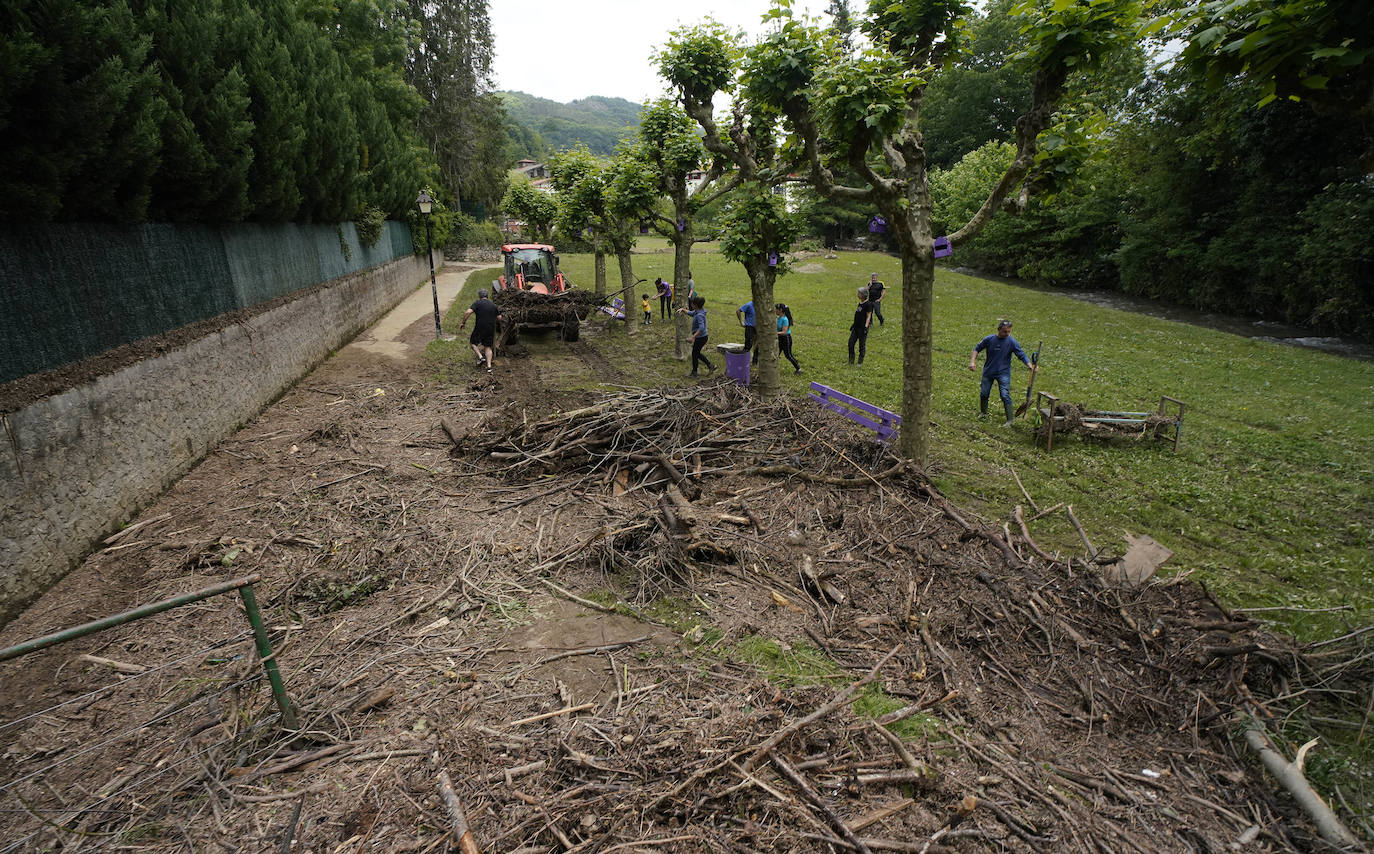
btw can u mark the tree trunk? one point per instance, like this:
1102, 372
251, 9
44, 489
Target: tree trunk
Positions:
761, 278
682, 268
918, 286
600, 260
627, 290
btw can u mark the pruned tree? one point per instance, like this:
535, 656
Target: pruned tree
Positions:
536, 208
865, 111
631, 193
671, 145
580, 181
700, 62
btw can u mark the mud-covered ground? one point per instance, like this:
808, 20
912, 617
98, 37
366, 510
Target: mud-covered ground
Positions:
617, 620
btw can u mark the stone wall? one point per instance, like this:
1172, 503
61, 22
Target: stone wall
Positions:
78, 465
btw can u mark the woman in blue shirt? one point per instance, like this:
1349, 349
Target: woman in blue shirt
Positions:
785, 334
698, 336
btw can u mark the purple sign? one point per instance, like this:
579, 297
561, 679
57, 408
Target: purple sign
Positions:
772, 259
643, 229
877, 225
942, 247
682, 225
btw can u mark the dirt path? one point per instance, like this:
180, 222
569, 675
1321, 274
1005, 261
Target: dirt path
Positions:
600, 659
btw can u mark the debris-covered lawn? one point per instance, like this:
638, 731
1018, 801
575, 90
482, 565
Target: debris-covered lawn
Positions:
636, 620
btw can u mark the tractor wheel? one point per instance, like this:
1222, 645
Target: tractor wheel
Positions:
571, 329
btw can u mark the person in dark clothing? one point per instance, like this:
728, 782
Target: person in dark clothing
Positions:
875, 296
1000, 348
483, 339
665, 297
858, 330
785, 334
745, 315
698, 336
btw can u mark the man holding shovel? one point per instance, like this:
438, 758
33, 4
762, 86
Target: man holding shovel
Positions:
1000, 348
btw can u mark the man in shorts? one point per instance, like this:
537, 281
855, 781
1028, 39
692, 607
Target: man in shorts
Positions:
483, 338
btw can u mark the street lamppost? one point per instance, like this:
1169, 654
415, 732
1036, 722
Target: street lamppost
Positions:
426, 205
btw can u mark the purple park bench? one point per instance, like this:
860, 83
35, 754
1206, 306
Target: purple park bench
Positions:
616, 309
880, 421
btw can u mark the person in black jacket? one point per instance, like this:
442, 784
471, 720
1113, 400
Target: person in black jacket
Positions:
483, 338
858, 330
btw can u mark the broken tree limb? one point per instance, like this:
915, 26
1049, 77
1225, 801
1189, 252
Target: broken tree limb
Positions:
1092, 552
1291, 776
816, 801
1025, 532
462, 834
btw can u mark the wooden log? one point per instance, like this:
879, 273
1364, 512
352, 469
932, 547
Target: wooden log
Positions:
1290, 775
462, 834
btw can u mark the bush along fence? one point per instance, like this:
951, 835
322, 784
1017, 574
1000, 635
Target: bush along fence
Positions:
66, 775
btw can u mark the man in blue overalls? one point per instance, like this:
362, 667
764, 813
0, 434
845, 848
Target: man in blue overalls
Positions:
997, 366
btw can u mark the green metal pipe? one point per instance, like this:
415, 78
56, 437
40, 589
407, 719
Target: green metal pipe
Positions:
126, 617
269, 661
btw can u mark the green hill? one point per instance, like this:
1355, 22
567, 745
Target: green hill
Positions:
537, 126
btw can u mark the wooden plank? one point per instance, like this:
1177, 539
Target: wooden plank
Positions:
876, 411
883, 430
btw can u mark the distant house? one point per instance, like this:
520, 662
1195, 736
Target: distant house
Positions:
531, 169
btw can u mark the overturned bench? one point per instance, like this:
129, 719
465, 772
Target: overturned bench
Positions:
885, 424
1166, 423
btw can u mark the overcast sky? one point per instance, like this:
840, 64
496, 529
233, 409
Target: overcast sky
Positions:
569, 49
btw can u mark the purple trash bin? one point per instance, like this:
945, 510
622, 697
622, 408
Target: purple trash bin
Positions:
736, 362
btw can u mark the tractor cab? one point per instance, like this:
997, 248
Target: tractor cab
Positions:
531, 267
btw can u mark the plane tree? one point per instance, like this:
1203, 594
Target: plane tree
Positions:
864, 109
700, 62
671, 146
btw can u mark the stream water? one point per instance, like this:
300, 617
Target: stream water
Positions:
1262, 330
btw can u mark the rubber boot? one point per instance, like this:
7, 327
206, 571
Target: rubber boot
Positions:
1010, 413
982, 409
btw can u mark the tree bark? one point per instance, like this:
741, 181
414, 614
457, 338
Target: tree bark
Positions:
918, 306
627, 288
682, 269
600, 261
761, 278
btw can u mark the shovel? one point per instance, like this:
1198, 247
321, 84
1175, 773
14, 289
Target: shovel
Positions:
1035, 362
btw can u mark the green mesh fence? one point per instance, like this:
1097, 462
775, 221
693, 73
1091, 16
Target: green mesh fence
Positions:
72, 291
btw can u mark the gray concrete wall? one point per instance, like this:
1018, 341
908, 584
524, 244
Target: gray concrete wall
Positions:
78, 465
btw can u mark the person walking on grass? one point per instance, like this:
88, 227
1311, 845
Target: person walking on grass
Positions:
665, 297
785, 334
875, 296
745, 315
648, 312
483, 338
698, 336
858, 330
1000, 348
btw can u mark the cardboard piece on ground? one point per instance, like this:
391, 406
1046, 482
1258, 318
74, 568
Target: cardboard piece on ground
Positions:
1143, 556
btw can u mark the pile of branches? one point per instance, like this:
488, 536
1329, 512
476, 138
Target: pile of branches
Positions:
1025, 652
529, 307
1074, 415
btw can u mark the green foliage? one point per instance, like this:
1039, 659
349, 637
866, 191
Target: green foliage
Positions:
862, 100
1319, 49
369, 225
467, 232
915, 29
537, 209
783, 65
1072, 35
699, 60
669, 140
1337, 259
756, 222
217, 111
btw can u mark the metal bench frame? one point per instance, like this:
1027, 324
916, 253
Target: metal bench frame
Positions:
1048, 420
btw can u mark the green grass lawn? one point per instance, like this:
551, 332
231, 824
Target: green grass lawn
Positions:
1270, 501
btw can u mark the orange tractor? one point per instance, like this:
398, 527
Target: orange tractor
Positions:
533, 294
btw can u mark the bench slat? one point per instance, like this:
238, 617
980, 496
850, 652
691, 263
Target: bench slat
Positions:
878, 412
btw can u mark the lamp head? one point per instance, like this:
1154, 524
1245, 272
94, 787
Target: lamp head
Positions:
425, 202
